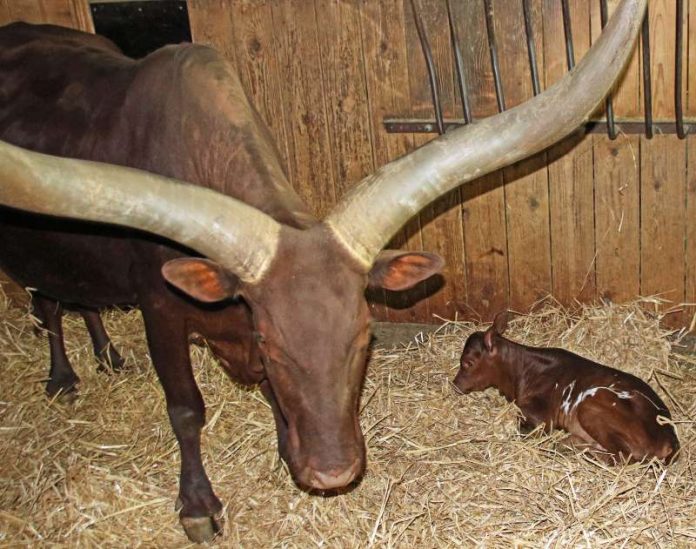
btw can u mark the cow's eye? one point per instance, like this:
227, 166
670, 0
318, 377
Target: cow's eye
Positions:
259, 337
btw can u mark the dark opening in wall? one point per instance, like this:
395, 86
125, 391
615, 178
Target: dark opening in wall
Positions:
139, 28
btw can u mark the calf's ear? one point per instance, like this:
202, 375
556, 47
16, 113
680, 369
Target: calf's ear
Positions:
501, 321
395, 270
497, 328
202, 279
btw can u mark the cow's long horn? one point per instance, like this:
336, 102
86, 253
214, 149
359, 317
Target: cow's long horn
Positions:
366, 219
239, 237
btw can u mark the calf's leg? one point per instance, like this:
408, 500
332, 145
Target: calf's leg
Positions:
62, 379
104, 350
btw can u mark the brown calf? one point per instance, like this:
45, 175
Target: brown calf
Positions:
603, 409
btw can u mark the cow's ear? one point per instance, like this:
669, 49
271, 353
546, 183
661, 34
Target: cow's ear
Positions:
202, 279
395, 270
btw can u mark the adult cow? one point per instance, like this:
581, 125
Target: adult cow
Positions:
299, 282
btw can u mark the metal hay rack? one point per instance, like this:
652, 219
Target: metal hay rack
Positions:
611, 126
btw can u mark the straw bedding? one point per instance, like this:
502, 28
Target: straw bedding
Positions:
443, 469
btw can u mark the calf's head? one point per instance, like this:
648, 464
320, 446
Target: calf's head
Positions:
481, 360
305, 288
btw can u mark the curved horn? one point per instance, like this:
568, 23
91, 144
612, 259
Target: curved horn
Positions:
239, 237
366, 219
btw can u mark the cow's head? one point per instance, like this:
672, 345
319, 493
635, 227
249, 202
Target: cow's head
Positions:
305, 287
312, 328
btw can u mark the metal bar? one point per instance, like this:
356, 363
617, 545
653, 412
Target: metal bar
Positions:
459, 65
609, 104
630, 127
531, 48
568, 31
427, 53
647, 83
494, 55
678, 59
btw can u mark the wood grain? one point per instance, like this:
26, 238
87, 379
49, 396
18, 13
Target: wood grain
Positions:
526, 183
570, 171
386, 77
663, 225
617, 216
305, 109
441, 221
483, 200
690, 240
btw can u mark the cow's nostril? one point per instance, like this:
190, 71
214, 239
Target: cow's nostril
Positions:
334, 478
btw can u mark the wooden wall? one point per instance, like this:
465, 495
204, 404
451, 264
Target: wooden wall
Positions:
591, 218
68, 13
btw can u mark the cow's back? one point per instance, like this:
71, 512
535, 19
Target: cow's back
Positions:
180, 112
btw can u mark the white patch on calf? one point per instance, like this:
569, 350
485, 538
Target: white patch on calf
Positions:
565, 395
592, 391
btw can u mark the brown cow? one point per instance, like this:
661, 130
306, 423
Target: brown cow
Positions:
606, 410
278, 293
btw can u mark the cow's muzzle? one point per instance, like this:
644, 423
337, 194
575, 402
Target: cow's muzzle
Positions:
331, 479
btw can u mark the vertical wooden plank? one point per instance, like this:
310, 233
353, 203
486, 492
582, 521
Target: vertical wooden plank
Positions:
345, 85
68, 13
5, 13
663, 175
441, 222
627, 98
663, 16
386, 76
343, 78
663, 225
526, 183
690, 56
82, 15
29, 11
483, 205
257, 59
570, 171
57, 12
617, 211
690, 241
304, 100
617, 188
211, 24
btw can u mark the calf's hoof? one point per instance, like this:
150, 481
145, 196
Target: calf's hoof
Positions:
200, 529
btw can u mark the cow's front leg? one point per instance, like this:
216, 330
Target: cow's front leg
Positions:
168, 343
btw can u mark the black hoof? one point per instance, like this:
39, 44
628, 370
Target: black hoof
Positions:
110, 361
200, 529
64, 393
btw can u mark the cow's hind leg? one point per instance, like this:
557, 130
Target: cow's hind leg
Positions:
104, 350
62, 379
167, 339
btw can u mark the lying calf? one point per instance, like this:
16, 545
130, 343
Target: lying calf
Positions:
602, 408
